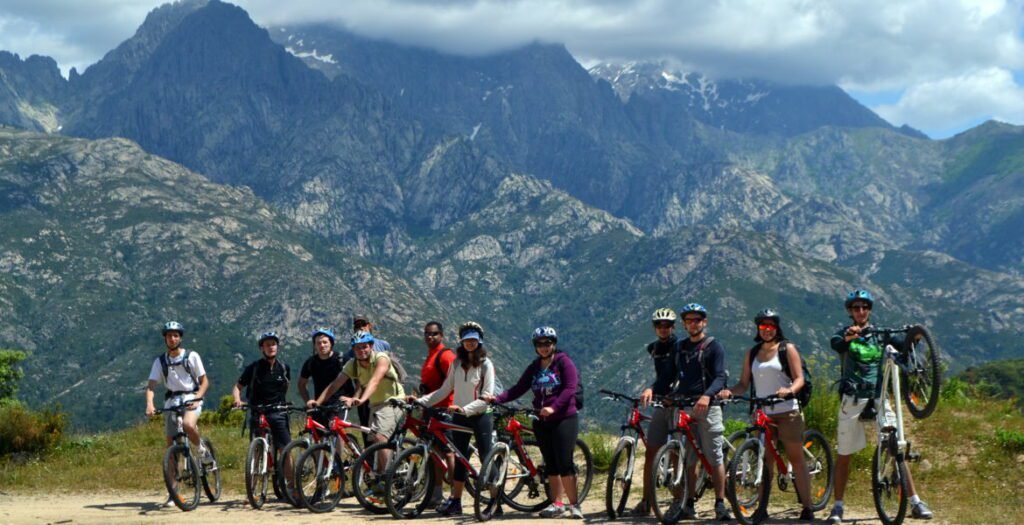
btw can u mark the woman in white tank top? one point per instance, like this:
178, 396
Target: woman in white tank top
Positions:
764, 368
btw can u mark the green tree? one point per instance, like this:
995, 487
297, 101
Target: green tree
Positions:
10, 372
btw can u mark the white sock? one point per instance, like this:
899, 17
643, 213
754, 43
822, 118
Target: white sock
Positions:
915, 499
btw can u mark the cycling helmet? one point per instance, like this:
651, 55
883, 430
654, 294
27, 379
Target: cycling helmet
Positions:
471, 326
268, 335
362, 337
545, 332
323, 331
767, 313
663, 314
694, 308
173, 326
859, 295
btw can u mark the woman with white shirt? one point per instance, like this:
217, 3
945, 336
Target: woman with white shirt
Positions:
763, 365
471, 378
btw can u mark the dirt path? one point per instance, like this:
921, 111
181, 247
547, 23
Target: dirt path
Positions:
145, 507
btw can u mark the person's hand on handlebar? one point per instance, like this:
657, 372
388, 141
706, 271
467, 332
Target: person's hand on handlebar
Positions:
852, 332
546, 411
724, 393
488, 398
150, 410
456, 409
646, 397
700, 408
784, 392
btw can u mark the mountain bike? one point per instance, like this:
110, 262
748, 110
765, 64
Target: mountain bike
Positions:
312, 433
919, 367
261, 460
409, 478
320, 474
749, 480
519, 462
368, 476
620, 470
668, 477
182, 472
890, 487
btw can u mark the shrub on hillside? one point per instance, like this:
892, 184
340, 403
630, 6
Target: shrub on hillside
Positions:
23, 430
822, 411
602, 446
1010, 440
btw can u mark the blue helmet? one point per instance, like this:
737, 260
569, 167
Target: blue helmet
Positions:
694, 308
173, 326
268, 335
325, 332
859, 295
362, 337
545, 332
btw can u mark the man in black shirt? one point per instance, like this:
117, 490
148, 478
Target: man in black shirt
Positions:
661, 350
266, 382
323, 366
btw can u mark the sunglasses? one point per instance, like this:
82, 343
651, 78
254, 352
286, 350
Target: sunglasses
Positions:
693, 320
664, 325
767, 327
431, 334
860, 307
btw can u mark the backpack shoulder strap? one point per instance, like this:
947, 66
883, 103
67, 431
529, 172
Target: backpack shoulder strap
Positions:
784, 358
437, 360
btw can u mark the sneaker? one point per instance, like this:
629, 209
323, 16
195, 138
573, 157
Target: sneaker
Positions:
553, 511
641, 509
498, 511
574, 512
168, 503
679, 510
454, 508
836, 516
441, 506
806, 515
722, 513
920, 511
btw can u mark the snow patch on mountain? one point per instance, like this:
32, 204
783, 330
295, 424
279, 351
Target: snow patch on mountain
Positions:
327, 59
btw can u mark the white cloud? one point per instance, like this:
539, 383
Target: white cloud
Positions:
959, 101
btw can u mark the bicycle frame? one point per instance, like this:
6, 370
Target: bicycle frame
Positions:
891, 380
684, 422
436, 436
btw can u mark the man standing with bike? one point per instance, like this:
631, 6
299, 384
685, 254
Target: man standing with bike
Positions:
698, 370
432, 375
266, 383
661, 350
323, 367
859, 386
182, 372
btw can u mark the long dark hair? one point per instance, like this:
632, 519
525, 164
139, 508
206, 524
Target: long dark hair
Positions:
471, 361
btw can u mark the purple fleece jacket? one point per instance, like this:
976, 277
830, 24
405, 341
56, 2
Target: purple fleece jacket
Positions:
553, 387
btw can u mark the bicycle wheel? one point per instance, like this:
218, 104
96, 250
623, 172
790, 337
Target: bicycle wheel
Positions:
818, 457
921, 378
889, 486
583, 466
407, 482
491, 482
749, 482
620, 478
211, 473
291, 453
181, 475
368, 478
668, 481
319, 478
256, 473
524, 492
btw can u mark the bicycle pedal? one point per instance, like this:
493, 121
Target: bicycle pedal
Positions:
913, 456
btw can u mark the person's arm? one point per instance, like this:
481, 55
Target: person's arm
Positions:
204, 385
795, 370
519, 388
380, 369
841, 341
438, 395
150, 388
236, 393
479, 406
717, 370
744, 382
570, 380
244, 379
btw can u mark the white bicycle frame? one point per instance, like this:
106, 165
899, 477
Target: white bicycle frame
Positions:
891, 379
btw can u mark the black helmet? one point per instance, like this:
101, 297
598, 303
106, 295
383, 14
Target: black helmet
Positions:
765, 315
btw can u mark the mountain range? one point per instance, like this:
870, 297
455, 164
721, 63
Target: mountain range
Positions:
237, 178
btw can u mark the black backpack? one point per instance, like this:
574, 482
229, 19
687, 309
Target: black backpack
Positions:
165, 365
804, 395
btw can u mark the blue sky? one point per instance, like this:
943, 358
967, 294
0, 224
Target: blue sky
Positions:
938, 65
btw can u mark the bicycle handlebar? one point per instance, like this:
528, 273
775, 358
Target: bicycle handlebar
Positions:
271, 407
616, 396
177, 408
514, 410
686, 401
764, 401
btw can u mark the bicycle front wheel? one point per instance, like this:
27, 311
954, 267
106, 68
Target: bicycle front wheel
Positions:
290, 455
491, 482
583, 466
921, 378
889, 485
211, 473
749, 482
818, 457
620, 479
409, 481
319, 478
368, 478
523, 491
256, 473
181, 475
668, 481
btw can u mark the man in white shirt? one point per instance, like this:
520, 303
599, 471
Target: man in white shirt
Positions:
182, 372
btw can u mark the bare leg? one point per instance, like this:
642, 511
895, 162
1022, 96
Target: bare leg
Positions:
795, 453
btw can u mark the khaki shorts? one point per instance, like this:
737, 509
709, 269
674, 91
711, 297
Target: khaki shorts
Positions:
171, 423
663, 421
852, 431
789, 426
384, 419
709, 437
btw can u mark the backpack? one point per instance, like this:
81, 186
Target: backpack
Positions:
165, 366
804, 395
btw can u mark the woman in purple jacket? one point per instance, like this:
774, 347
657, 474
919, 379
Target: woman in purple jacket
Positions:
553, 379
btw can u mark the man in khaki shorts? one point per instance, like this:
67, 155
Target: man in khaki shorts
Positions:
860, 387
378, 382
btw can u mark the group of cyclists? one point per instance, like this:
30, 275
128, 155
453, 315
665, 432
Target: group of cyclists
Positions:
462, 381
